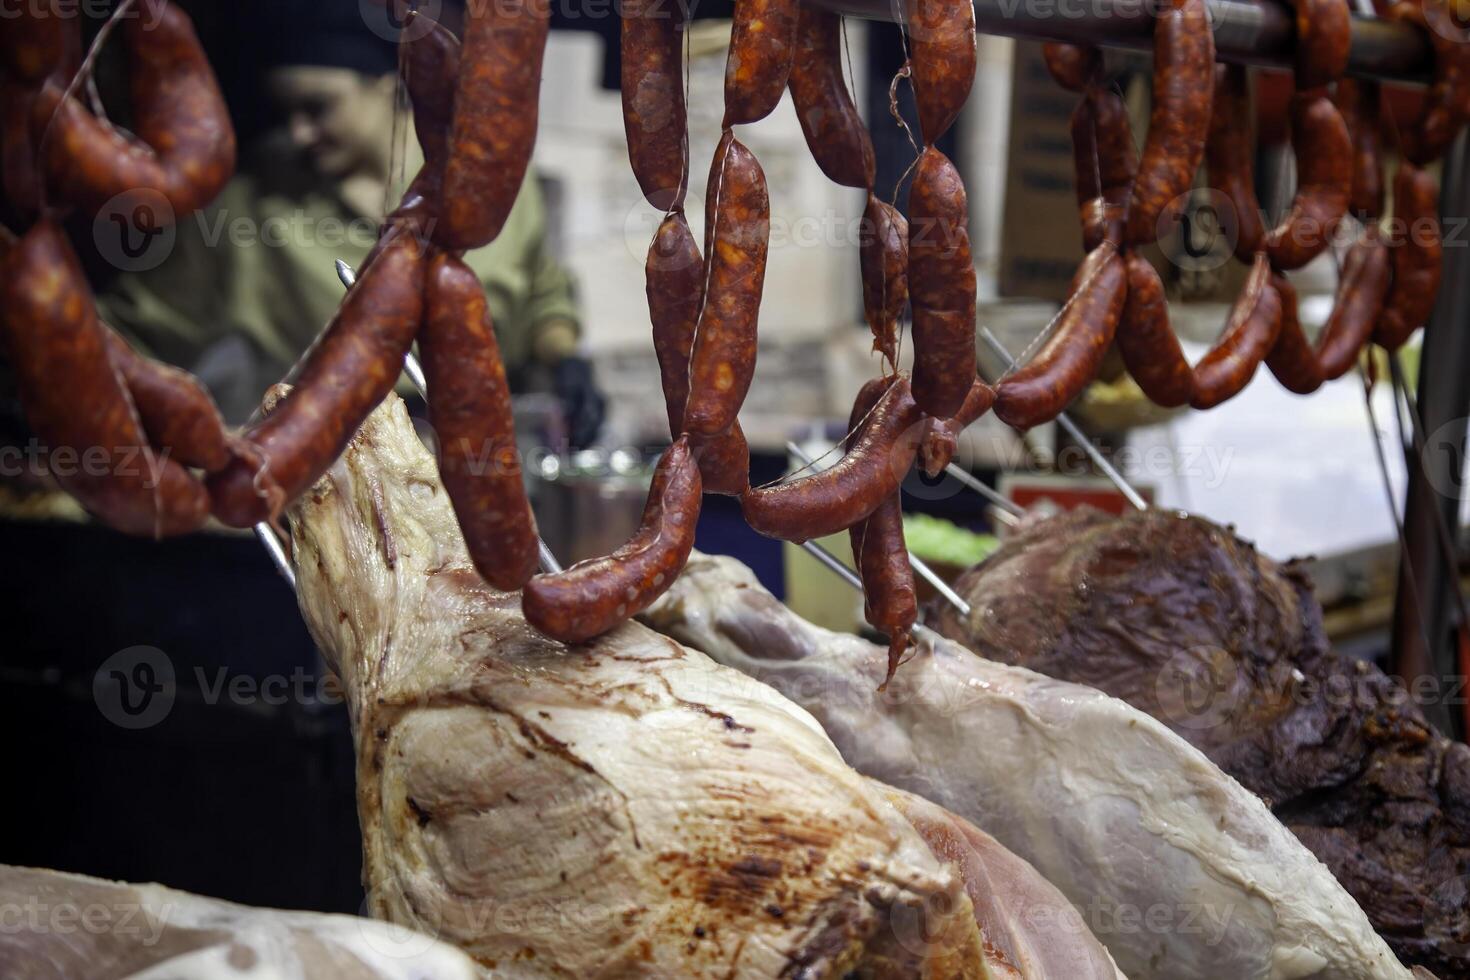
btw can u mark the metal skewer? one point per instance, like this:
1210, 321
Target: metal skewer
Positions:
925, 572
1070, 427
1007, 509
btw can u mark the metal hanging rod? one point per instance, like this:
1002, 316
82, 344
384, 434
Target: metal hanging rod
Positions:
916, 563
1253, 32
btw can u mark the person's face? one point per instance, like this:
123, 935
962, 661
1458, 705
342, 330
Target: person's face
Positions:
335, 116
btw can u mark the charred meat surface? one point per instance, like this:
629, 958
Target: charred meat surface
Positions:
1184, 620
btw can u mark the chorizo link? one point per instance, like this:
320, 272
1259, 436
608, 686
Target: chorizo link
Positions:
1041, 389
942, 56
1147, 343
1358, 100
469, 407
834, 131
1105, 161
1416, 251
762, 48
1362, 284
1184, 57
33, 42
941, 286
1249, 335
185, 145
838, 497
1073, 66
595, 595
1228, 153
1447, 101
889, 602
1324, 158
75, 399
1322, 41
883, 252
175, 410
654, 115
350, 368
495, 114
941, 436
723, 358
1292, 359
675, 285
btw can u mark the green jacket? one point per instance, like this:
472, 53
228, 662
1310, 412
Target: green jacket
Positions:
250, 281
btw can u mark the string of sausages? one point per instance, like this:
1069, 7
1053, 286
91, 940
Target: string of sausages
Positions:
168, 461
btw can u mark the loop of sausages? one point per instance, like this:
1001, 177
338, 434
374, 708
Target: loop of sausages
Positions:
1105, 162
1228, 155
185, 146
495, 115
77, 401
177, 413
1416, 250
469, 408
942, 56
1184, 57
1250, 333
595, 595
1447, 102
1324, 161
350, 369
871, 469
655, 119
941, 283
762, 48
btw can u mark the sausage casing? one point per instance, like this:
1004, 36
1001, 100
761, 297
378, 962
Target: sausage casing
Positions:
1147, 343
1228, 158
1249, 335
469, 407
723, 359
762, 48
1073, 66
1361, 287
941, 286
1324, 155
942, 55
883, 251
1184, 58
1292, 359
834, 131
595, 595
674, 280
1041, 389
941, 436
176, 411
347, 372
655, 118
75, 399
1416, 250
1358, 100
185, 146
495, 116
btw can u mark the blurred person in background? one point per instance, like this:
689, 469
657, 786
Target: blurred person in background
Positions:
247, 283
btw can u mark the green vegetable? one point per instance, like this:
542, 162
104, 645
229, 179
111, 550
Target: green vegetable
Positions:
936, 540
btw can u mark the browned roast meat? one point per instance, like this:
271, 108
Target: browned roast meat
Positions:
1189, 623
